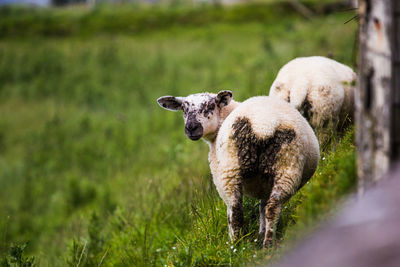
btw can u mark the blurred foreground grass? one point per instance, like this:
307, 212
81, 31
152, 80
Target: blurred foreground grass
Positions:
93, 171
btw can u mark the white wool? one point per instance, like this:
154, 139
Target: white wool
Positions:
325, 83
266, 115
198, 99
294, 162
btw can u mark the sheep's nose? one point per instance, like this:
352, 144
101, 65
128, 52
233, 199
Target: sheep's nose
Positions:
191, 127
194, 130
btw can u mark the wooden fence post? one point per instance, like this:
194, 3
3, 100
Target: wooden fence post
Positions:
396, 82
374, 95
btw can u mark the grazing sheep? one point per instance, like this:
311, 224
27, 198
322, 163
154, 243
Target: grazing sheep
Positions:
321, 89
262, 148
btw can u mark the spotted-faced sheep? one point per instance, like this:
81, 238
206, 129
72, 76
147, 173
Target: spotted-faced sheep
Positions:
262, 148
321, 89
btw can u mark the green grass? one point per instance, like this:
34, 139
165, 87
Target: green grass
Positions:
92, 170
140, 18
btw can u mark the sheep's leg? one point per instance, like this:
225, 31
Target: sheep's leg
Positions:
229, 186
272, 212
235, 215
281, 192
288, 179
262, 206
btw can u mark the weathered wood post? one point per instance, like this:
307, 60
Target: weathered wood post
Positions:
395, 135
377, 98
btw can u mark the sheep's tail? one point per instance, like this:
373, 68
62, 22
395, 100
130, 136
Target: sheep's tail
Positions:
298, 95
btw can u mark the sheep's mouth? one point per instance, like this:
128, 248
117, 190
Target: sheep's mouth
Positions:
194, 137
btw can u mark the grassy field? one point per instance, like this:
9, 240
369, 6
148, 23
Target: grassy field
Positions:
93, 172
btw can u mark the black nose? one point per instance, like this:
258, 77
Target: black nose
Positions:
191, 127
194, 130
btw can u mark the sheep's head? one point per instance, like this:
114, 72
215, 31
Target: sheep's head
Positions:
200, 111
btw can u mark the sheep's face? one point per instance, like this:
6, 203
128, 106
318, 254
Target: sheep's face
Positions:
200, 111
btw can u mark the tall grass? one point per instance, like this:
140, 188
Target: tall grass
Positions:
93, 171
137, 17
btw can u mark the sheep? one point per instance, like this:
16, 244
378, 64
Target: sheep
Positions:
262, 148
321, 89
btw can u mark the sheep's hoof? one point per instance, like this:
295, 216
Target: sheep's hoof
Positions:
268, 243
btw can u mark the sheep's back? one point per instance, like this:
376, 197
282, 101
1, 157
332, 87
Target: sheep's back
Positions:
253, 135
322, 89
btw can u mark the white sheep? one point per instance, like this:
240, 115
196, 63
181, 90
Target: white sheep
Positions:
321, 89
262, 148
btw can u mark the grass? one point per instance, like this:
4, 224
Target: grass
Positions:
139, 18
93, 171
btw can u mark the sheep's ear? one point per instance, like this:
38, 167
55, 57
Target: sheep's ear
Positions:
171, 102
223, 98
